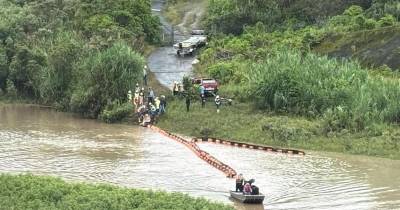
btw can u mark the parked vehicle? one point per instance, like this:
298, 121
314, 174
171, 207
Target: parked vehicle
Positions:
198, 32
210, 85
188, 46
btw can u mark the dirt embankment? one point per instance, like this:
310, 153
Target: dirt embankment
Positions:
373, 48
186, 15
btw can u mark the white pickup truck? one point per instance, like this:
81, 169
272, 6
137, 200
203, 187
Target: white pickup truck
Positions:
188, 46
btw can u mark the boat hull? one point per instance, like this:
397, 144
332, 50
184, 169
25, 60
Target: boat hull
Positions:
256, 199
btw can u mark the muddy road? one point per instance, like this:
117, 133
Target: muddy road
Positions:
166, 65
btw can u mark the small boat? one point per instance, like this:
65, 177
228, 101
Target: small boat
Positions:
247, 198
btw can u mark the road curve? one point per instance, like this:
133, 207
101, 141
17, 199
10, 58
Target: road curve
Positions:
163, 62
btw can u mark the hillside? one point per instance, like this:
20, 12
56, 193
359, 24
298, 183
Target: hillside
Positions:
373, 48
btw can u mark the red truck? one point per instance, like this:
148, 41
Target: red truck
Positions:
210, 85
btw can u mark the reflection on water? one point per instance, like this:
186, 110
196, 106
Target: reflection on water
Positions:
43, 141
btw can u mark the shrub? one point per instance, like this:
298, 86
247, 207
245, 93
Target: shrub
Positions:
25, 71
105, 76
3, 70
116, 112
222, 71
387, 20
298, 84
353, 11
34, 192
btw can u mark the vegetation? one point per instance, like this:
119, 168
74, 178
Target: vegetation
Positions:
287, 91
77, 55
230, 16
242, 122
33, 192
279, 72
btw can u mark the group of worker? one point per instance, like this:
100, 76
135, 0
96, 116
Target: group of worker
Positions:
246, 187
177, 88
147, 109
188, 97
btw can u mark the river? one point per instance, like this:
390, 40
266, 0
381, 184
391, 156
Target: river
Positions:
46, 142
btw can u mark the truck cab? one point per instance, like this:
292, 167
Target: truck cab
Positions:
210, 85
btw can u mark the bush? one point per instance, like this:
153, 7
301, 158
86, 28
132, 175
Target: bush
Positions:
25, 71
339, 92
222, 71
116, 112
387, 20
104, 77
34, 192
290, 82
3, 70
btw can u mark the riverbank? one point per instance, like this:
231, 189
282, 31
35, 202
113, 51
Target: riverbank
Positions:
40, 192
242, 122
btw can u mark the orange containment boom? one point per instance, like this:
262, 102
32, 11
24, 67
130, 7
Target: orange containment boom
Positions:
249, 146
227, 170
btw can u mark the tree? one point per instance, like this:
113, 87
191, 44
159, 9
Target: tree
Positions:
25, 71
3, 69
104, 77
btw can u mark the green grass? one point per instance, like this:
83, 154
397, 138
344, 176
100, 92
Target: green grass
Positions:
36, 192
244, 123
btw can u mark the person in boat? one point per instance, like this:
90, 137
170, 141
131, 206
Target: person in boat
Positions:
254, 189
239, 183
247, 189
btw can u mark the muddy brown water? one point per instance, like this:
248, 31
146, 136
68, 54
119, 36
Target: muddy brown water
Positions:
45, 142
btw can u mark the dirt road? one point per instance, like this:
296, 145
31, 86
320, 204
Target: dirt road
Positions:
163, 62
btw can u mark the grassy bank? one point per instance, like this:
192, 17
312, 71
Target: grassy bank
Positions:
35, 192
244, 123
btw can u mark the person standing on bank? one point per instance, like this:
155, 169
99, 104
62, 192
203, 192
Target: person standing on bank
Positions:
217, 102
163, 104
202, 96
145, 75
187, 102
151, 96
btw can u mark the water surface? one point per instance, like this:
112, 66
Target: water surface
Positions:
43, 141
